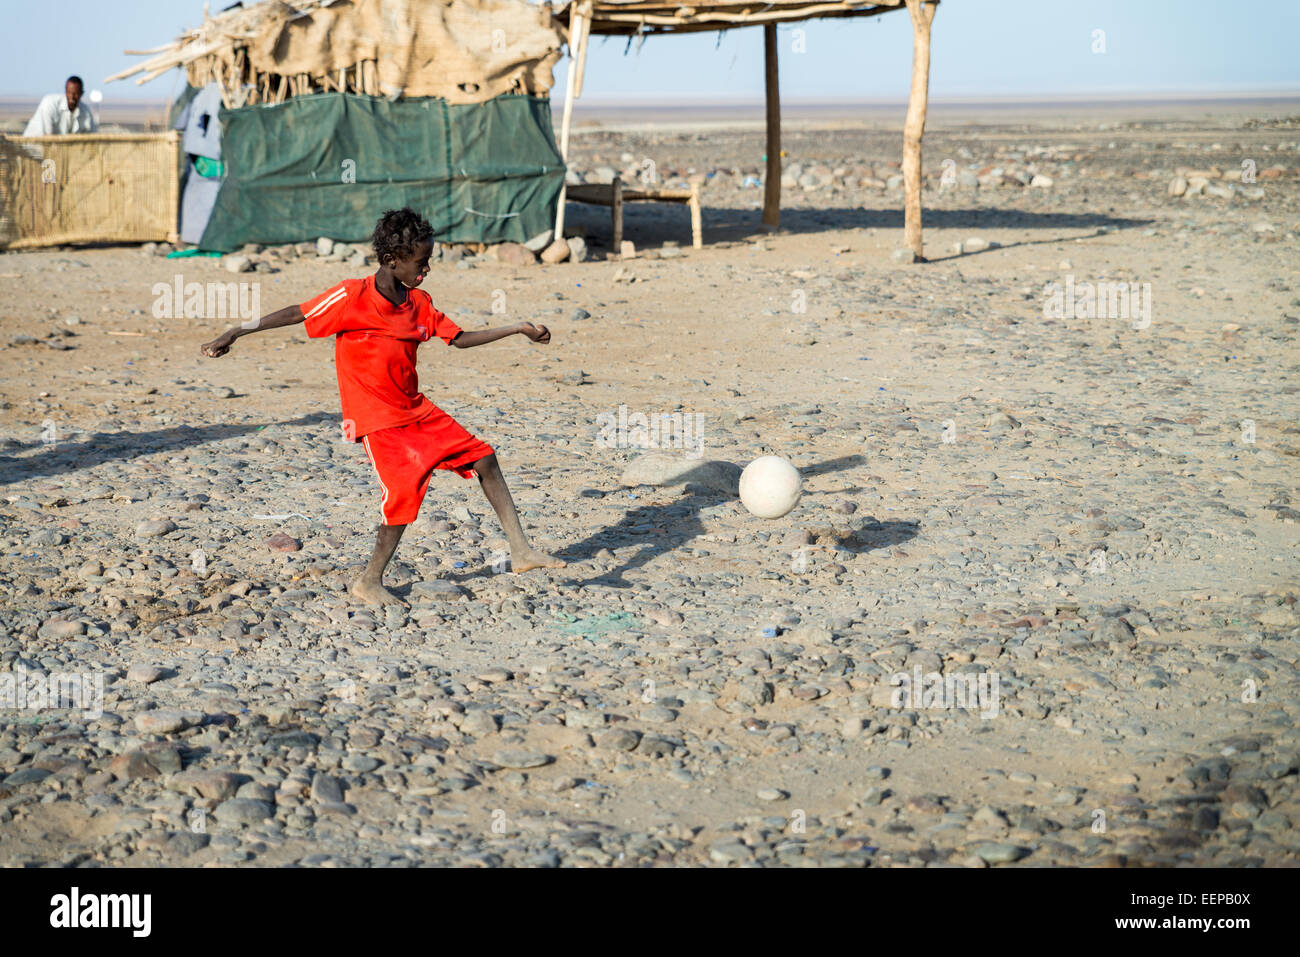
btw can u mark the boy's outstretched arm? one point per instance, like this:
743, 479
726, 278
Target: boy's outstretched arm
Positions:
533, 331
288, 316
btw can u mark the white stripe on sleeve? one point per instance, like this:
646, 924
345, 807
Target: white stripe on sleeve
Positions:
327, 302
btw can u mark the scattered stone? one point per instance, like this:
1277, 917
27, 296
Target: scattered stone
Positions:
520, 758
280, 542
478, 722
514, 254
242, 811
326, 789
812, 635
730, 851
437, 589
145, 674
975, 244
210, 784
26, 776
541, 241
153, 528
167, 720
59, 629
556, 252
999, 853
132, 766
577, 249
618, 739
1112, 630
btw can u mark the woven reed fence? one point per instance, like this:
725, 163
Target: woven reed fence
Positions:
88, 188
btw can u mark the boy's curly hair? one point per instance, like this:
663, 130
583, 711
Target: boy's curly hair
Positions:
398, 231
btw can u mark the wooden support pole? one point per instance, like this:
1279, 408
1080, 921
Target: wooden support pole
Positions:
697, 226
582, 60
577, 57
174, 188
616, 210
922, 14
772, 182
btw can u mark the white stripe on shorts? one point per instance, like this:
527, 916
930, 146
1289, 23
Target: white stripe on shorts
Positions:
383, 502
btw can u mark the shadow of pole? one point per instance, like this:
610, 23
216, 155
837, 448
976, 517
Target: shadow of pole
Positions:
729, 224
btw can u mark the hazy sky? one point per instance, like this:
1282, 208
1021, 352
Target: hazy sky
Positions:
980, 47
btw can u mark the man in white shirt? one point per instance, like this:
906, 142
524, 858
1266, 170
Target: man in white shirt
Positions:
58, 115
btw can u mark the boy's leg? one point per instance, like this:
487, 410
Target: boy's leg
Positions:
369, 585
522, 555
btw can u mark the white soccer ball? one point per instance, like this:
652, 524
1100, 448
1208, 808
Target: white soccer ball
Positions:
770, 487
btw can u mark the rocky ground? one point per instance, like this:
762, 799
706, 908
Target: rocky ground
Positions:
1096, 511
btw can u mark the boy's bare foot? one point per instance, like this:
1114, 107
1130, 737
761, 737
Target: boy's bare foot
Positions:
373, 593
526, 561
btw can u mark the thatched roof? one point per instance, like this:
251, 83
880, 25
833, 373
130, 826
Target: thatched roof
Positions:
465, 51
650, 17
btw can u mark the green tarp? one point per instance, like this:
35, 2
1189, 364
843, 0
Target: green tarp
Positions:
330, 164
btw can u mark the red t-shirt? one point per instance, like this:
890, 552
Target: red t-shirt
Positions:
374, 351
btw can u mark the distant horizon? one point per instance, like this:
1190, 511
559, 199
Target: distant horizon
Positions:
709, 99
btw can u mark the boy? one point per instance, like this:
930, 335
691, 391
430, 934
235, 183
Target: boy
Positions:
377, 323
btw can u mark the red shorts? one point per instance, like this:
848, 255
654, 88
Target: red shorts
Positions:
406, 456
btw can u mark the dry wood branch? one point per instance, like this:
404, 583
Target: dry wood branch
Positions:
922, 14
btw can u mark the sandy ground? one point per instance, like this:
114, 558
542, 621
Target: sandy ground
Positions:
1093, 510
